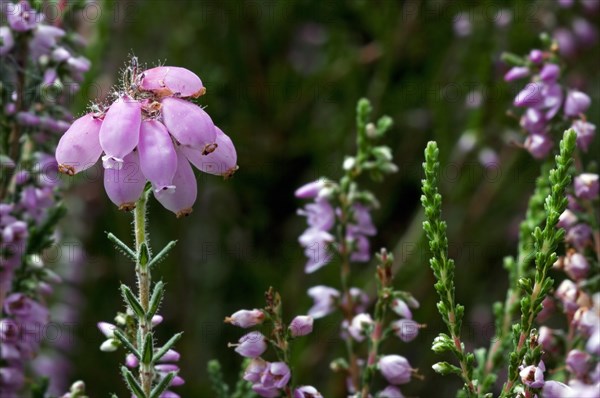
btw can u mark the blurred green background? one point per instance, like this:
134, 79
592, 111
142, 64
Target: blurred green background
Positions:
283, 78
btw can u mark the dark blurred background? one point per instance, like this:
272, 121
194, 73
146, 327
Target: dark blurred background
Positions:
283, 79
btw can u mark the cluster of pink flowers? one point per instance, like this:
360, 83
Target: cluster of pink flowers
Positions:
151, 132
269, 379
543, 98
57, 60
318, 240
24, 308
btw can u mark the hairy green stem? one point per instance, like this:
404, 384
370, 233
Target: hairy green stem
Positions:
144, 280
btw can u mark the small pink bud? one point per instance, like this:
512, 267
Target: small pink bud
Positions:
120, 131
401, 308
395, 369
587, 186
406, 329
246, 318
301, 325
550, 72
567, 219
515, 73
79, 147
307, 392
585, 133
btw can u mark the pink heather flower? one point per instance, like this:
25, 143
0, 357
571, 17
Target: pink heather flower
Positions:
166, 81
567, 293
390, 392
107, 329
536, 56
585, 133
401, 308
44, 39
546, 338
534, 121
120, 131
531, 95
158, 159
246, 318
515, 73
395, 369
276, 375
576, 266
301, 325
406, 329
310, 190
324, 300
587, 186
161, 135
181, 201
532, 376
579, 236
567, 219
21, 17
267, 392
251, 345
566, 42
550, 73
124, 187
6, 40
255, 369
576, 103
359, 326
585, 31
306, 392
577, 363
222, 161
538, 145
556, 389
189, 124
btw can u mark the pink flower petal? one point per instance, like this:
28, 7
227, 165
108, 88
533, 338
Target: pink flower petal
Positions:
172, 81
120, 131
189, 124
158, 159
222, 161
79, 148
125, 186
181, 201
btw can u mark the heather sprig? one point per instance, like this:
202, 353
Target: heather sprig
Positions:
546, 242
443, 269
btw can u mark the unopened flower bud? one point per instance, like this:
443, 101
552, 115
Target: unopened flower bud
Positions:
406, 329
401, 308
246, 318
395, 369
109, 345
586, 186
301, 325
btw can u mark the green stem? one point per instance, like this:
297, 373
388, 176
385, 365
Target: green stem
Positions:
144, 280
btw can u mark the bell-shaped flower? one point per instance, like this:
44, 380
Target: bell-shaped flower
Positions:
182, 199
125, 186
222, 161
167, 81
120, 131
79, 148
158, 159
189, 124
